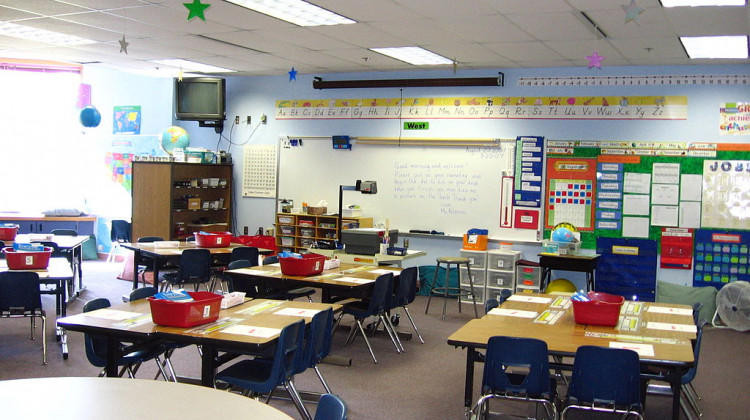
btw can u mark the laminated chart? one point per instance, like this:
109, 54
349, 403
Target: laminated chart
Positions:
726, 194
571, 190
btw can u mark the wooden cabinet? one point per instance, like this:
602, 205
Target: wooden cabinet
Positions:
173, 200
297, 232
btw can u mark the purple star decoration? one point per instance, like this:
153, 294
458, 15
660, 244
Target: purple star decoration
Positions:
292, 74
595, 60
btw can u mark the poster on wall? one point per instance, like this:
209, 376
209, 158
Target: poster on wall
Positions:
571, 191
725, 201
126, 119
734, 119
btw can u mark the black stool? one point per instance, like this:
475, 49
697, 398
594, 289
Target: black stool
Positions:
447, 291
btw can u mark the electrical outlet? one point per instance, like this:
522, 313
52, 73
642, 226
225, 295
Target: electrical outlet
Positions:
236, 119
263, 118
248, 120
245, 230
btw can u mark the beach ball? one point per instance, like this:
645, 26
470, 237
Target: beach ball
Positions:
90, 116
560, 285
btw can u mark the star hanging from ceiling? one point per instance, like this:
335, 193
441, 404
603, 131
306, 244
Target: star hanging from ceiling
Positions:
196, 9
632, 11
123, 45
595, 60
292, 74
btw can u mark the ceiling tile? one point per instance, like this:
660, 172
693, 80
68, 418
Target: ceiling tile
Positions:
708, 20
552, 26
524, 51
579, 50
487, 28
43, 7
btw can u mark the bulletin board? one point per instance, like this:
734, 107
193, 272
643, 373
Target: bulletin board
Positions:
643, 187
448, 189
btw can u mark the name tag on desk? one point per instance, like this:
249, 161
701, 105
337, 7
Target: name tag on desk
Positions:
513, 312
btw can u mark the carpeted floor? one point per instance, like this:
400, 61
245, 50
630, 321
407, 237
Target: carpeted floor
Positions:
426, 382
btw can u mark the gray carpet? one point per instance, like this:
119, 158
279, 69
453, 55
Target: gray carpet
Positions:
426, 382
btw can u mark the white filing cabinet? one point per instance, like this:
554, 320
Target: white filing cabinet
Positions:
501, 271
478, 264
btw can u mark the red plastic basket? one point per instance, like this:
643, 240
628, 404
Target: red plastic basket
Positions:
308, 265
213, 240
8, 232
27, 260
203, 309
602, 309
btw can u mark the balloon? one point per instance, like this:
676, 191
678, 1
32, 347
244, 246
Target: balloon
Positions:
90, 116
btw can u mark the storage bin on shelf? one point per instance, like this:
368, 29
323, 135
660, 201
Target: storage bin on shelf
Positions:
8, 231
475, 239
601, 309
27, 260
203, 309
308, 265
213, 239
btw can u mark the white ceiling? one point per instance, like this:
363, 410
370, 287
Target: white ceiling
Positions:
474, 33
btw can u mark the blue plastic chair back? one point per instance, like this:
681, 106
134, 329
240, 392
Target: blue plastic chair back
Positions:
271, 259
20, 289
289, 352
144, 239
690, 374
504, 295
64, 232
239, 264
608, 375
96, 346
407, 287
490, 304
245, 253
317, 340
120, 231
330, 407
142, 293
526, 353
382, 293
195, 264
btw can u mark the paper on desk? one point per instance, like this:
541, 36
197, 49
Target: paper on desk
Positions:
669, 310
113, 314
530, 299
253, 272
513, 312
253, 331
355, 280
260, 307
381, 271
672, 327
297, 312
641, 349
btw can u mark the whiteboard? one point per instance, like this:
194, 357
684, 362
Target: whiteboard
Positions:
448, 189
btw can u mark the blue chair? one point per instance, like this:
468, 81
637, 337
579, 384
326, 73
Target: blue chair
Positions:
195, 267
404, 295
119, 231
168, 348
535, 385
96, 348
330, 407
317, 344
20, 298
493, 303
605, 380
375, 306
247, 253
262, 375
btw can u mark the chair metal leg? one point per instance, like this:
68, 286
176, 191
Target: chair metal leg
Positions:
292, 391
369, 347
471, 286
693, 390
690, 397
413, 325
393, 330
336, 324
432, 286
161, 368
322, 380
387, 328
445, 290
44, 339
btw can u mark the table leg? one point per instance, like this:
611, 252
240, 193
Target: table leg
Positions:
208, 365
471, 356
113, 353
136, 260
80, 269
675, 382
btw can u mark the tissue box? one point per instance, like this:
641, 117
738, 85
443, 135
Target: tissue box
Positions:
316, 210
232, 299
351, 212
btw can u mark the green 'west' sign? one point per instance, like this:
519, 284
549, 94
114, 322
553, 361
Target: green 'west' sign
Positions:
416, 125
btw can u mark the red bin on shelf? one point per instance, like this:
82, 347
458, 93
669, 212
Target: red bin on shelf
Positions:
308, 265
203, 309
8, 232
27, 260
602, 309
213, 239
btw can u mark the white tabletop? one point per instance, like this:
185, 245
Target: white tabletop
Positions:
124, 399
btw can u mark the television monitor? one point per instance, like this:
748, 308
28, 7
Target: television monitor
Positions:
200, 99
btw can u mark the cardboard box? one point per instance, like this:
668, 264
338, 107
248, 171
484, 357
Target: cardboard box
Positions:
194, 203
317, 210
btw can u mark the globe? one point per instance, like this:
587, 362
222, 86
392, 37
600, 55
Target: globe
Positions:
562, 234
90, 116
174, 137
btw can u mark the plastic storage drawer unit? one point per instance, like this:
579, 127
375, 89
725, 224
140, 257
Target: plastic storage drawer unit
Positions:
477, 259
502, 260
478, 275
504, 279
529, 276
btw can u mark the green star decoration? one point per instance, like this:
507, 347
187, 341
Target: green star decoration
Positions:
196, 9
123, 45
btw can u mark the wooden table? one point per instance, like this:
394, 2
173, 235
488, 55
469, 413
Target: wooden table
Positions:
125, 399
347, 280
672, 351
131, 322
581, 263
147, 253
74, 244
58, 273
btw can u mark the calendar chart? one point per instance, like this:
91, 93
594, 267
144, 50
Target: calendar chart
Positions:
571, 192
259, 173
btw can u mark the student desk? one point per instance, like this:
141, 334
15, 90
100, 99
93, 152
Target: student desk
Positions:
131, 322
64, 242
58, 273
126, 399
147, 252
347, 280
672, 351
581, 263
376, 259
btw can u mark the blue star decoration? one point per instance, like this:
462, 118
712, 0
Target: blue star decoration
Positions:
196, 9
123, 45
292, 74
632, 11
595, 60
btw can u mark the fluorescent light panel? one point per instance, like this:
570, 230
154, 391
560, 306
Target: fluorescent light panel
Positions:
695, 3
417, 56
297, 12
192, 66
715, 46
42, 35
